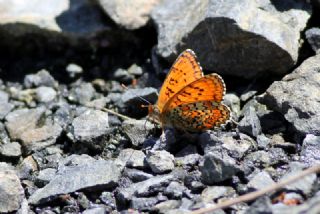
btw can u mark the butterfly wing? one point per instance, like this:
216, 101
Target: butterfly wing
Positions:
208, 88
199, 116
185, 70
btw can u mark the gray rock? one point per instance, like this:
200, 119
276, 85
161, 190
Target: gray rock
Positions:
22, 120
135, 70
313, 37
130, 96
60, 18
123, 75
260, 181
40, 137
209, 140
45, 176
175, 190
30, 127
12, 193
45, 94
93, 175
76, 160
10, 150
265, 159
4, 97
212, 193
6, 166
248, 95
137, 175
166, 206
261, 205
5, 108
233, 102
145, 188
296, 97
218, 166
310, 151
90, 128
263, 141
132, 158
95, 210
74, 69
27, 167
160, 161
108, 199
235, 31
42, 78
238, 146
82, 93
188, 157
130, 15
250, 123
143, 204
136, 130
305, 184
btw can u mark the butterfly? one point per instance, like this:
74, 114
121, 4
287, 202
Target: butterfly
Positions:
188, 100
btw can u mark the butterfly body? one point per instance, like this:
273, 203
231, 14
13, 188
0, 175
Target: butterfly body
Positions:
188, 100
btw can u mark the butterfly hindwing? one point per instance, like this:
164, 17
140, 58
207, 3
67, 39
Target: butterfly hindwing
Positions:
199, 116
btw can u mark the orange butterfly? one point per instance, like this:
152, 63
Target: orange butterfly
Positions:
188, 100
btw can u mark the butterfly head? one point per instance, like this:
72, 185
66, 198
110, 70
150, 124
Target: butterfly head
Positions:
153, 113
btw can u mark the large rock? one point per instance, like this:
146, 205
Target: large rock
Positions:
90, 128
11, 191
95, 174
129, 14
296, 96
65, 16
237, 38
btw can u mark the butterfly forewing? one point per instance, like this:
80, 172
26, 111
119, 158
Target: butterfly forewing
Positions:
184, 71
208, 88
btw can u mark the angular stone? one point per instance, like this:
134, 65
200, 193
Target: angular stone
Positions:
305, 184
82, 93
39, 138
146, 188
160, 161
250, 123
313, 37
296, 96
212, 193
310, 151
90, 127
45, 94
129, 14
243, 36
260, 181
132, 158
10, 150
42, 78
218, 166
93, 175
22, 120
137, 130
11, 192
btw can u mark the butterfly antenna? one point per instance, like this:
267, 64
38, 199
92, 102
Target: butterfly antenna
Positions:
141, 98
210, 35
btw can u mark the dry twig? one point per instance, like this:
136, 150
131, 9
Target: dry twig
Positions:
253, 195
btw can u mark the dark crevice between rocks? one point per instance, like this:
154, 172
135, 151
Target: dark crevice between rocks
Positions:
98, 55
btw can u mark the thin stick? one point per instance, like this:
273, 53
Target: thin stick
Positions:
117, 114
253, 195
